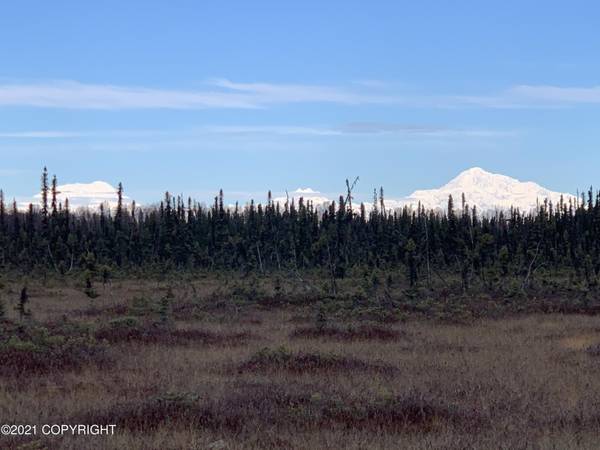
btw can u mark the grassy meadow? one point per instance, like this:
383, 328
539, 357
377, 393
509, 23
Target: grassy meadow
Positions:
213, 362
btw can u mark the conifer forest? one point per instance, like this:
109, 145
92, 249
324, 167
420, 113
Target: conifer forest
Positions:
335, 240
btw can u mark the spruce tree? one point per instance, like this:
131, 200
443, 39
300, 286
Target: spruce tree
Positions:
119, 211
45, 190
54, 193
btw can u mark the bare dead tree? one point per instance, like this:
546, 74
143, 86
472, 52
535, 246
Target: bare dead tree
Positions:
427, 251
259, 258
52, 259
349, 188
530, 269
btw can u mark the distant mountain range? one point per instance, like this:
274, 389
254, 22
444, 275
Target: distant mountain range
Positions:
488, 191
87, 195
485, 190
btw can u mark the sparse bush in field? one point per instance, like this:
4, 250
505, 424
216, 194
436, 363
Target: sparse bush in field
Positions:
22, 305
36, 349
121, 329
132, 329
283, 359
89, 286
142, 306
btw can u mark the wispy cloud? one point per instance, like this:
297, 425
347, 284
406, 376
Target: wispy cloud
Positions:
348, 129
70, 94
219, 93
301, 93
558, 94
96, 134
38, 135
223, 93
267, 130
526, 97
417, 130
358, 128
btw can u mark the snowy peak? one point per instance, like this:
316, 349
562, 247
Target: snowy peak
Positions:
488, 191
474, 176
307, 194
94, 190
87, 195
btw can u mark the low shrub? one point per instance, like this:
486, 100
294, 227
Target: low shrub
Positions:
301, 362
348, 333
131, 329
250, 406
35, 349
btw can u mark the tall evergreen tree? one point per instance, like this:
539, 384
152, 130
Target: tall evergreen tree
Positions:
44, 190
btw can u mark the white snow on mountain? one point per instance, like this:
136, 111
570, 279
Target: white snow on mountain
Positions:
87, 195
488, 191
308, 194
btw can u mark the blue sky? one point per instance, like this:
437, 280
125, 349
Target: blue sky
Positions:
191, 96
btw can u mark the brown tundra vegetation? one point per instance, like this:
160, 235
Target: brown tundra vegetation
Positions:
210, 363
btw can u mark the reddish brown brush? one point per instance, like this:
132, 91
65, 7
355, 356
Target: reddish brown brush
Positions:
302, 362
349, 333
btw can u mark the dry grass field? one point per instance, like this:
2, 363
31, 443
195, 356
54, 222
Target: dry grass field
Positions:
210, 375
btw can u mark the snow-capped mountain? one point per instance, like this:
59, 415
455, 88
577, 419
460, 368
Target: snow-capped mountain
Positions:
488, 191
307, 194
87, 195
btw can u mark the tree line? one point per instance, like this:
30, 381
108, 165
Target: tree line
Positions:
182, 234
